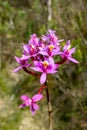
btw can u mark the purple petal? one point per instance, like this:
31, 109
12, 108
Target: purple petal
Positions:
36, 69
44, 38
73, 60
72, 51
43, 78
24, 57
61, 40
55, 66
51, 31
17, 69
25, 47
17, 59
36, 107
43, 53
32, 109
51, 61
66, 46
24, 97
37, 97
51, 71
36, 63
28, 102
22, 105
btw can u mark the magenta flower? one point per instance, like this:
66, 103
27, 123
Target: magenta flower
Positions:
34, 40
31, 102
67, 52
23, 62
51, 38
30, 50
50, 50
46, 67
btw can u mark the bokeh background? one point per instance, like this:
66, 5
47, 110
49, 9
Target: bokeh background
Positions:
68, 88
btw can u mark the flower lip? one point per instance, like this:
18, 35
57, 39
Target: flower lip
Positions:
51, 47
68, 48
32, 46
45, 64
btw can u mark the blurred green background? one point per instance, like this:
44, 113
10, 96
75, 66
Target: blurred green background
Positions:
68, 88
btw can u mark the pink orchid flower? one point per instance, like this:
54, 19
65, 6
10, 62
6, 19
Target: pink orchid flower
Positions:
31, 102
67, 52
51, 38
23, 62
46, 67
50, 50
34, 40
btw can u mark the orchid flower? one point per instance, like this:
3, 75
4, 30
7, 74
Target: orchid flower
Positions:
50, 50
31, 102
45, 67
34, 40
51, 38
30, 50
67, 52
23, 62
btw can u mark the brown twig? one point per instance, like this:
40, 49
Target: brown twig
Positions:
49, 106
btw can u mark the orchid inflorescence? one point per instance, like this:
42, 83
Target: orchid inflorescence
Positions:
38, 55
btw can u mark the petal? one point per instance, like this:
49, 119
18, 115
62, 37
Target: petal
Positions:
43, 53
51, 31
37, 97
24, 97
72, 51
17, 59
61, 40
51, 71
36, 63
28, 102
22, 105
17, 69
24, 57
32, 109
35, 106
36, 69
43, 78
73, 60
25, 47
51, 61
55, 66
67, 45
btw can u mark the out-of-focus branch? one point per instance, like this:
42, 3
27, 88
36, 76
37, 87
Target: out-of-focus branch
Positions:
49, 10
0, 52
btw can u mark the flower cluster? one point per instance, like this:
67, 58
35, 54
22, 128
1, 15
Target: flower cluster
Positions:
38, 56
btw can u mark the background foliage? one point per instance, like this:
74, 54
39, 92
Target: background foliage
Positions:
68, 88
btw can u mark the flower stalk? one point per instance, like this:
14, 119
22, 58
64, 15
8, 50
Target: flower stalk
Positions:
49, 106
